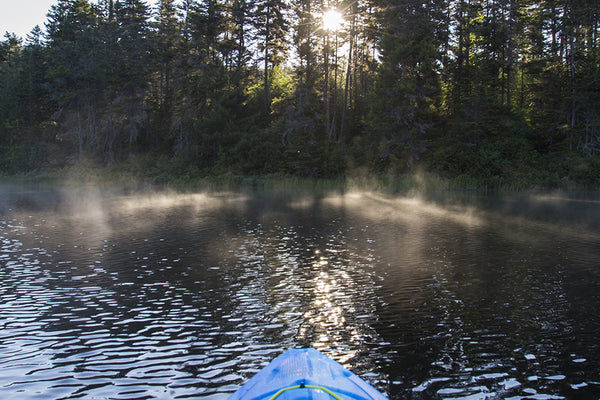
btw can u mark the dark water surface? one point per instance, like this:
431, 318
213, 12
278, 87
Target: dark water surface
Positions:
139, 296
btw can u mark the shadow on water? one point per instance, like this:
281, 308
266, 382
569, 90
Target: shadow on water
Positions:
165, 295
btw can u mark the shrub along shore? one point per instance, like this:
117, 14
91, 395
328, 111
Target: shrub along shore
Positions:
144, 172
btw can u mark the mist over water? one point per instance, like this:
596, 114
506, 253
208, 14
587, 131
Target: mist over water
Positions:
118, 295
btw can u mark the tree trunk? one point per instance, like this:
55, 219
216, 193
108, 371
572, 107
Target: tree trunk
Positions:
326, 91
347, 85
267, 101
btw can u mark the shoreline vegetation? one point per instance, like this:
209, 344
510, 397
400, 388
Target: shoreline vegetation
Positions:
141, 173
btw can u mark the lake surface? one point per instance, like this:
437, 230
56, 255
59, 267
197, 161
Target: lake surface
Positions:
117, 295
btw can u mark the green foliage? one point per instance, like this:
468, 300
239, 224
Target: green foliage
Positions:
501, 93
38, 156
403, 103
496, 152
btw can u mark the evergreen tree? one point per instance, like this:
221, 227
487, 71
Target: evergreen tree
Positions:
403, 110
166, 47
206, 23
11, 113
37, 106
271, 25
299, 125
75, 69
241, 13
166, 55
132, 63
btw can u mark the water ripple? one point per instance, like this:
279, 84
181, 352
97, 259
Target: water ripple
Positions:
189, 296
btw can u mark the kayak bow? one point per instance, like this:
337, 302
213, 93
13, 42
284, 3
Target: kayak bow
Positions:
306, 374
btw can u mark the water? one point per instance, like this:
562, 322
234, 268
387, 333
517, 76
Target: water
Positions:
116, 295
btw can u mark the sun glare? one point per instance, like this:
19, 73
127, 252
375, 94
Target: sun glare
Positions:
332, 20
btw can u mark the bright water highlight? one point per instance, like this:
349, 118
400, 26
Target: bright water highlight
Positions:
158, 295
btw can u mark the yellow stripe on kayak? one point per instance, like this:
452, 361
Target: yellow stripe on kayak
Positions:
329, 392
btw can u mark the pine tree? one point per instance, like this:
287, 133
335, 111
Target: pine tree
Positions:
74, 69
166, 49
271, 24
133, 67
408, 84
10, 110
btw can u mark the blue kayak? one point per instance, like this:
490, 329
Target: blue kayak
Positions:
306, 374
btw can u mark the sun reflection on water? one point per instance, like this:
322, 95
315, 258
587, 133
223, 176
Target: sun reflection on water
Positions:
197, 292
336, 318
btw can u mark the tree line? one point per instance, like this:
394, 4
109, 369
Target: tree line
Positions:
486, 90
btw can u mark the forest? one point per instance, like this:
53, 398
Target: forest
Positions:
482, 92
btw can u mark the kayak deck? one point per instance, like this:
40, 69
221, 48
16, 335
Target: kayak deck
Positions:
306, 374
